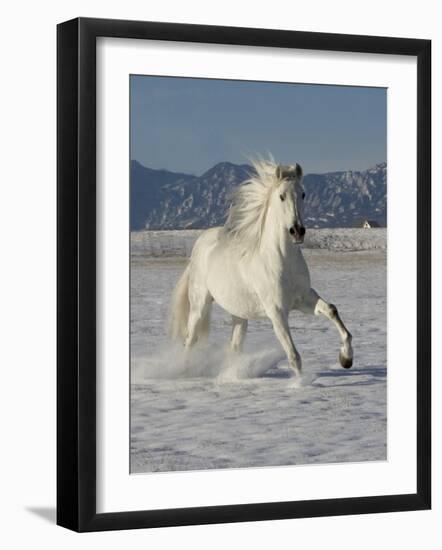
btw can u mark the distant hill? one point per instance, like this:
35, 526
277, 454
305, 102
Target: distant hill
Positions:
167, 200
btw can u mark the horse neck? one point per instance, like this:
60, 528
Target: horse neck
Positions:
276, 243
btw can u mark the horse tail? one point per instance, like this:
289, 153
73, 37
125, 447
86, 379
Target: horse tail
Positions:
180, 307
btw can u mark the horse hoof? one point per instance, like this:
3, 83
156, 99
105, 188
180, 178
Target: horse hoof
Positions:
345, 361
296, 383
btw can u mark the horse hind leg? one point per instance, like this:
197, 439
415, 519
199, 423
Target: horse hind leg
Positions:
239, 330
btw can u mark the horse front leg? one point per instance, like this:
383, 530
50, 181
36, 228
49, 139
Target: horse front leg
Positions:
280, 322
315, 304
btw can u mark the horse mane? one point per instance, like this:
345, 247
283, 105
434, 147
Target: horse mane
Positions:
250, 201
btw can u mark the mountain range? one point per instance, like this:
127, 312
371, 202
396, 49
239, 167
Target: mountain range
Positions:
161, 199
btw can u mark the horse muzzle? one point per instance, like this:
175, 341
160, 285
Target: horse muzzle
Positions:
297, 232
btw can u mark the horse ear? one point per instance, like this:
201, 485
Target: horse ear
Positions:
278, 172
298, 171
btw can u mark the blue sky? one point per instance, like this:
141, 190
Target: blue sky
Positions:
188, 125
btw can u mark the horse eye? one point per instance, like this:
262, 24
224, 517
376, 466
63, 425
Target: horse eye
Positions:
303, 195
282, 197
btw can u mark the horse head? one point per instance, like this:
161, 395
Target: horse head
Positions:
290, 195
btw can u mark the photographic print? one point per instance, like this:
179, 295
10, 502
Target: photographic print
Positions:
258, 274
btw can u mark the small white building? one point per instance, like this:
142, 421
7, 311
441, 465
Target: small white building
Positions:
368, 224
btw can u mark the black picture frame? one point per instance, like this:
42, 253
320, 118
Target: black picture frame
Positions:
77, 287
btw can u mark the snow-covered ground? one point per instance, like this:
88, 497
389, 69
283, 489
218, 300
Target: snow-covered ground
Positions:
218, 411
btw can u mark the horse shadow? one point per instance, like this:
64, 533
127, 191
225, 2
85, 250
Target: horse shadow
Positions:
353, 377
349, 377
277, 373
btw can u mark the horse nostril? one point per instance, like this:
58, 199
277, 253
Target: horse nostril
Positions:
292, 231
300, 229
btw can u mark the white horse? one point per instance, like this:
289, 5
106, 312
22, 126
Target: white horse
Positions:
253, 266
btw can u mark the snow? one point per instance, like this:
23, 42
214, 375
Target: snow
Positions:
215, 410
